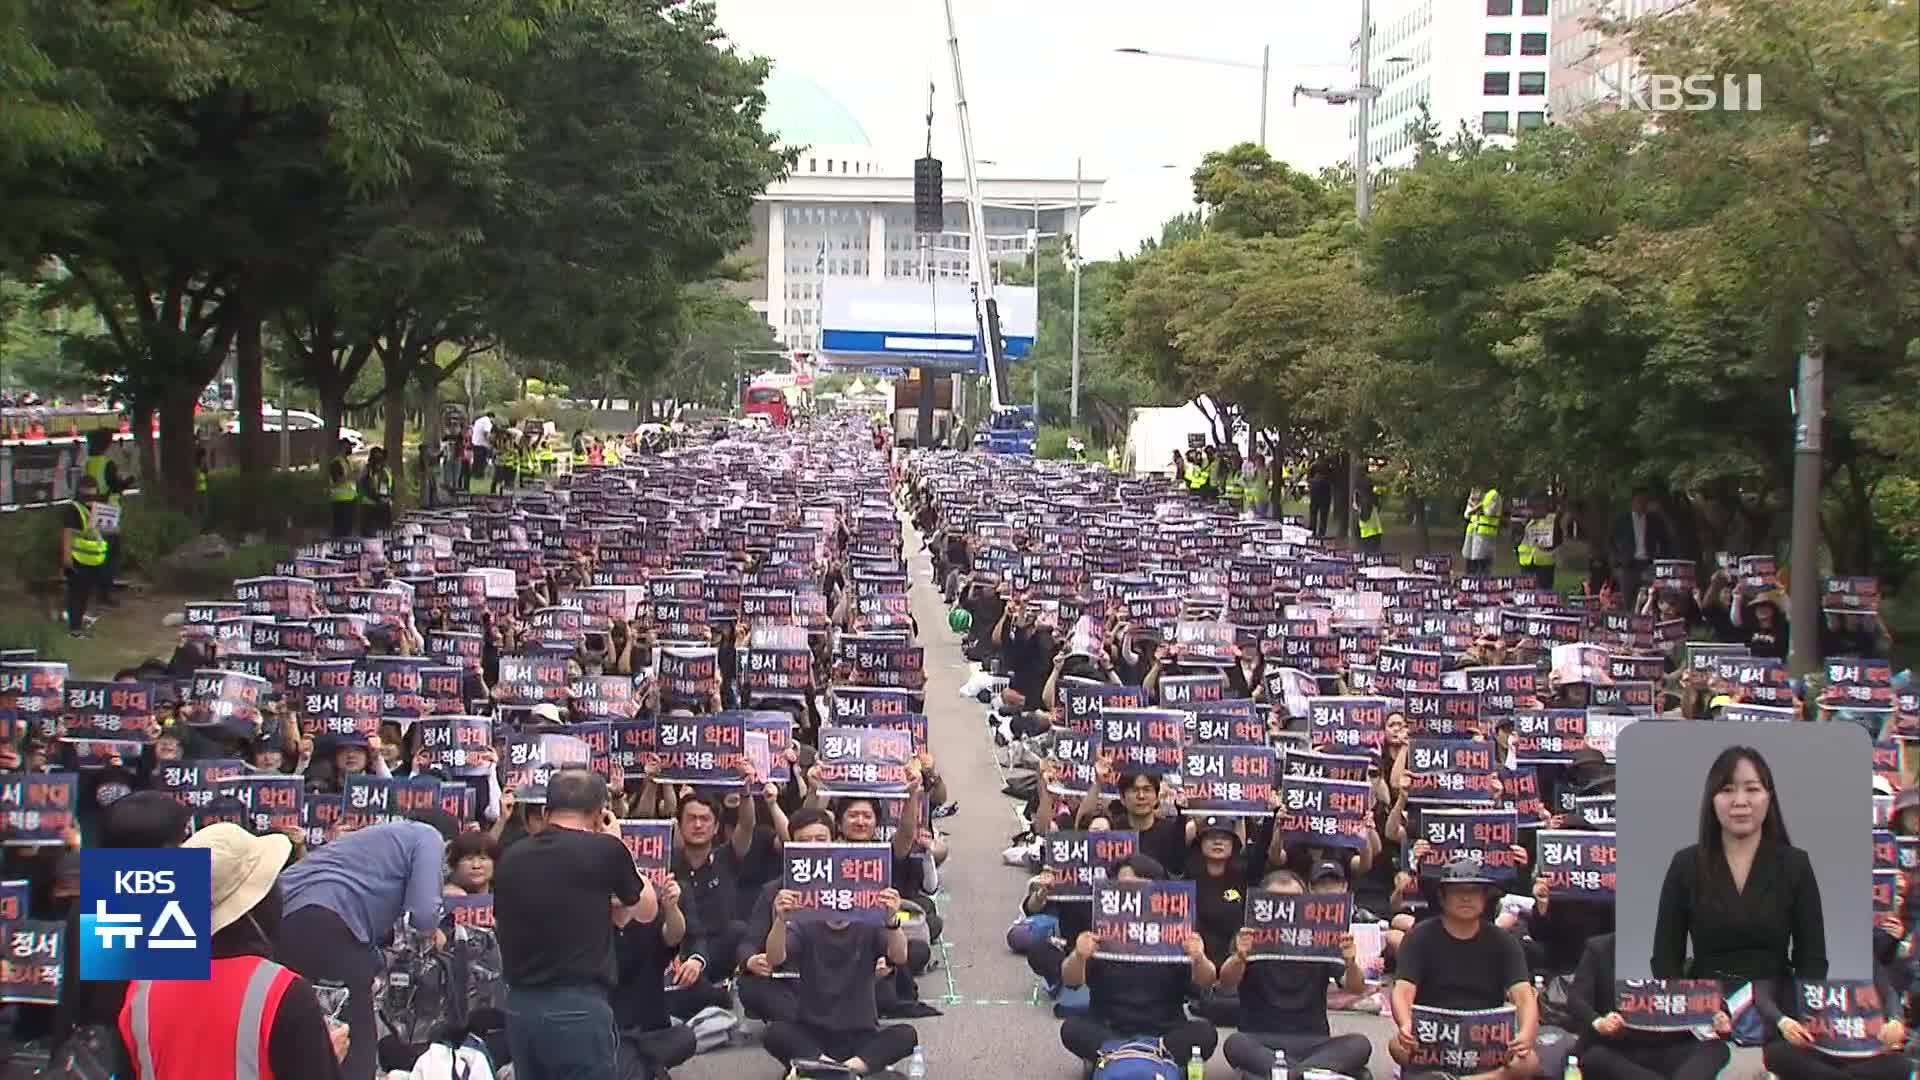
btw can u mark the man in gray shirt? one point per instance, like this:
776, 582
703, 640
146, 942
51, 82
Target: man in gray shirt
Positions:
346, 897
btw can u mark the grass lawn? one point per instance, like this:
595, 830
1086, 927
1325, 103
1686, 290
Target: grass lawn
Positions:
123, 637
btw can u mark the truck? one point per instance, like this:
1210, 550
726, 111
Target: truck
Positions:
906, 408
1012, 430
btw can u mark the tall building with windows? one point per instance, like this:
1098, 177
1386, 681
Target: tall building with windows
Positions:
847, 211
1483, 63
1591, 70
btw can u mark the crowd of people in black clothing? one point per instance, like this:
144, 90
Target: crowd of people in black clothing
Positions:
1066, 580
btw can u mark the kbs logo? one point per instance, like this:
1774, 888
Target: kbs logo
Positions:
145, 914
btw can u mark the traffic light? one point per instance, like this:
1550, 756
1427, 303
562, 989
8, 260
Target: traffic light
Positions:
929, 196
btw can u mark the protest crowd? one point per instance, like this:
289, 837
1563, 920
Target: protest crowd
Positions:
584, 774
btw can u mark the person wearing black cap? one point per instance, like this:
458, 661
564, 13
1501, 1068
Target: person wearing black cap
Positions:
1283, 1003
1610, 1050
1220, 877
1130, 1000
1461, 961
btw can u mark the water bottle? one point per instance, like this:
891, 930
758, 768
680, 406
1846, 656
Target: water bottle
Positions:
1573, 1068
1279, 1065
1196, 1065
917, 1064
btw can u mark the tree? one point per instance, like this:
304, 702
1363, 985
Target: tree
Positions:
217, 117
1250, 194
721, 339
611, 211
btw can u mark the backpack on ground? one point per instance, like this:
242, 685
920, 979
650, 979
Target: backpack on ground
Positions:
1135, 1059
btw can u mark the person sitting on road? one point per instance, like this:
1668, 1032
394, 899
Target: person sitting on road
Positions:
1137, 1000
1283, 1004
839, 1019
1461, 961
1609, 1050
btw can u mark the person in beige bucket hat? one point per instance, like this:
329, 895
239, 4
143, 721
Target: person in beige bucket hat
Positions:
252, 1018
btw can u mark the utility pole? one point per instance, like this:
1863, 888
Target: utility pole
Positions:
1361, 95
1266, 67
1362, 203
1073, 394
1809, 437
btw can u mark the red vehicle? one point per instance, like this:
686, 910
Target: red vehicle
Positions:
769, 402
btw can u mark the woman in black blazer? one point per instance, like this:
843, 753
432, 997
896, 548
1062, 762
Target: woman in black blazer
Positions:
1744, 895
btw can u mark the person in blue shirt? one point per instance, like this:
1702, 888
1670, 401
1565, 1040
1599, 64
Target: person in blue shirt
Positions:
345, 898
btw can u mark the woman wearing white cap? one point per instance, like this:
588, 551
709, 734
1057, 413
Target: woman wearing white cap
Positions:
253, 1019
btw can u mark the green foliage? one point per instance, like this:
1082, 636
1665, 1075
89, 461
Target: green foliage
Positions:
32, 537
150, 530
216, 578
1250, 194
26, 630
240, 505
1051, 443
1603, 303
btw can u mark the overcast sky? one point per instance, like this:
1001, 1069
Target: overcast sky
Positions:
1045, 85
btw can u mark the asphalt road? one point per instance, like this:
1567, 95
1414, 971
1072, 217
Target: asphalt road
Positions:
993, 1026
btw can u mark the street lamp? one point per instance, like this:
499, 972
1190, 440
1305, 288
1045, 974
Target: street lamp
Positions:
1264, 67
1361, 95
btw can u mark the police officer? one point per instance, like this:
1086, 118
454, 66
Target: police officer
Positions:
1538, 544
375, 493
1483, 514
83, 555
342, 493
1366, 507
1257, 485
106, 479
1233, 487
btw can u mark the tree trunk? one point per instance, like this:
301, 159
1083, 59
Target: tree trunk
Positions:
177, 446
1342, 498
140, 423
248, 394
395, 437
1422, 528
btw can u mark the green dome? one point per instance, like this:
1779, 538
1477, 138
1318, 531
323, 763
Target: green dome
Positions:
803, 114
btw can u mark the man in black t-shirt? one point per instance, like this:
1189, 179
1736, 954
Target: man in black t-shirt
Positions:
1131, 1000
710, 870
1461, 961
1165, 838
644, 949
1283, 1004
839, 1019
558, 897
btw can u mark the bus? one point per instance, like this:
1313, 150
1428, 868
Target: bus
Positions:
767, 401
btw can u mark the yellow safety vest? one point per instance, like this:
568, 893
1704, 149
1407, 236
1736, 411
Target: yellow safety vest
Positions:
1484, 521
379, 486
1234, 489
1370, 525
1536, 544
88, 547
1257, 491
343, 489
1196, 478
96, 467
